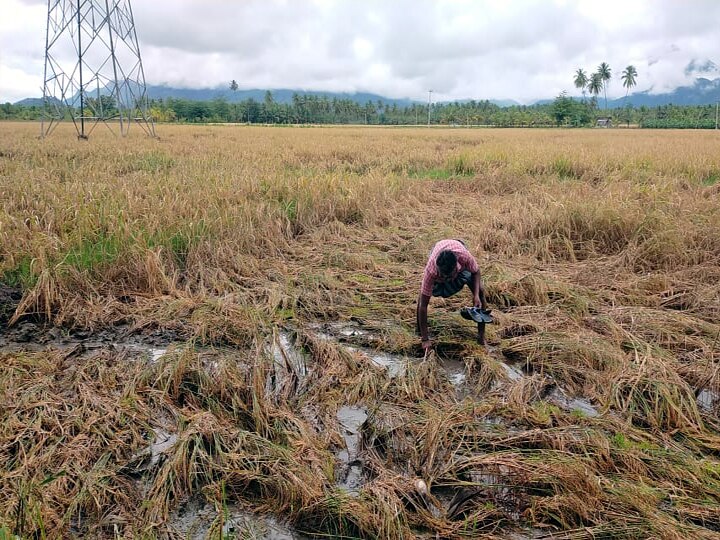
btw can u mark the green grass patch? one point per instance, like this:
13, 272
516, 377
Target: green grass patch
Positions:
564, 168
179, 242
153, 162
434, 173
92, 253
461, 166
455, 167
20, 276
711, 179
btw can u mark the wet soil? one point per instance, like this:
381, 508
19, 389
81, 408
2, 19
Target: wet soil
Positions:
195, 518
30, 336
9, 299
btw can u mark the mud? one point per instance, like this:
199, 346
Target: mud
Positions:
9, 299
29, 336
355, 339
196, 520
351, 420
287, 356
573, 405
161, 445
199, 519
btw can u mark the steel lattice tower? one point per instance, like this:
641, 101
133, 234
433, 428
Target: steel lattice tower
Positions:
93, 70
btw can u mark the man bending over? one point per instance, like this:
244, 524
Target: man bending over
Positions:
449, 268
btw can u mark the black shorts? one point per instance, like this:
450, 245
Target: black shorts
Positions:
446, 289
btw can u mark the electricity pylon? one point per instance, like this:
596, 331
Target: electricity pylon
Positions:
93, 70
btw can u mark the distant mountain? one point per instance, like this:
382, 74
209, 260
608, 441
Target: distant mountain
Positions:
498, 102
702, 92
34, 102
280, 95
284, 95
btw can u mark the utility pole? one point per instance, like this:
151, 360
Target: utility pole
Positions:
429, 105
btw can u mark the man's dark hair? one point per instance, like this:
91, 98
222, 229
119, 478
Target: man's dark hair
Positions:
446, 262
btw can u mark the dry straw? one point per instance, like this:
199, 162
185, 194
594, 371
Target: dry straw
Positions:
600, 256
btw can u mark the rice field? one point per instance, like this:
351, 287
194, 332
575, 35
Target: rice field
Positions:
211, 334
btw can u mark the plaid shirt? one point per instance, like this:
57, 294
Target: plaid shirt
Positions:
465, 261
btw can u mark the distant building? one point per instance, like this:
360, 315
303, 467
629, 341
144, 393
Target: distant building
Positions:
604, 122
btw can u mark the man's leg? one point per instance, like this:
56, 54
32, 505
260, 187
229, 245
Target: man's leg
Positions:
481, 333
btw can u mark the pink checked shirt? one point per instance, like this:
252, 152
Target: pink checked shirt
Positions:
465, 261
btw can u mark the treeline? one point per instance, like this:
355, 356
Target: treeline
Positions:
311, 109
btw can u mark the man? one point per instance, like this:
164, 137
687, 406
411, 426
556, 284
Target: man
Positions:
449, 268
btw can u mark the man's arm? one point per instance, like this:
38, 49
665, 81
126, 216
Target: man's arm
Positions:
423, 301
478, 291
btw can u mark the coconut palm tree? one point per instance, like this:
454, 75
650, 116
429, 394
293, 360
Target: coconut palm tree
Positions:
629, 80
605, 75
581, 81
595, 84
628, 77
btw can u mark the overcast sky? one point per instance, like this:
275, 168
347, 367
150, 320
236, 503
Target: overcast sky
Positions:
503, 49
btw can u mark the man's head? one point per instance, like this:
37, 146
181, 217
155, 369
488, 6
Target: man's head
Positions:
446, 262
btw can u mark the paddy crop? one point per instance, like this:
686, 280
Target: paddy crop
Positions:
283, 264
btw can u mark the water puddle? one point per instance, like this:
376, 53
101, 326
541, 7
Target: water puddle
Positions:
149, 457
707, 399
352, 331
513, 372
351, 420
163, 442
286, 355
396, 365
341, 331
455, 370
579, 405
149, 352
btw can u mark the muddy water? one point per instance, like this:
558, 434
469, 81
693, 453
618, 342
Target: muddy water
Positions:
513, 372
707, 399
573, 405
351, 420
195, 520
286, 354
28, 336
396, 365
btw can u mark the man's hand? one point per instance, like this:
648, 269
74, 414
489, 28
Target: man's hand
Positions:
426, 344
477, 302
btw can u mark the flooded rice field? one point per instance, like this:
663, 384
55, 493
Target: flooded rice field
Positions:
358, 431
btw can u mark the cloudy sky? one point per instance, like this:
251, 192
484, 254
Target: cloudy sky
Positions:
482, 49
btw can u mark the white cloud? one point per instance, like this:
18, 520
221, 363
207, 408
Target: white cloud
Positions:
523, 50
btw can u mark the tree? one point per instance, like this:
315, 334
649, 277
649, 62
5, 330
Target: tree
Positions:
605, 75
233, 85
581, 81
629, 76
562, 108
595, 84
